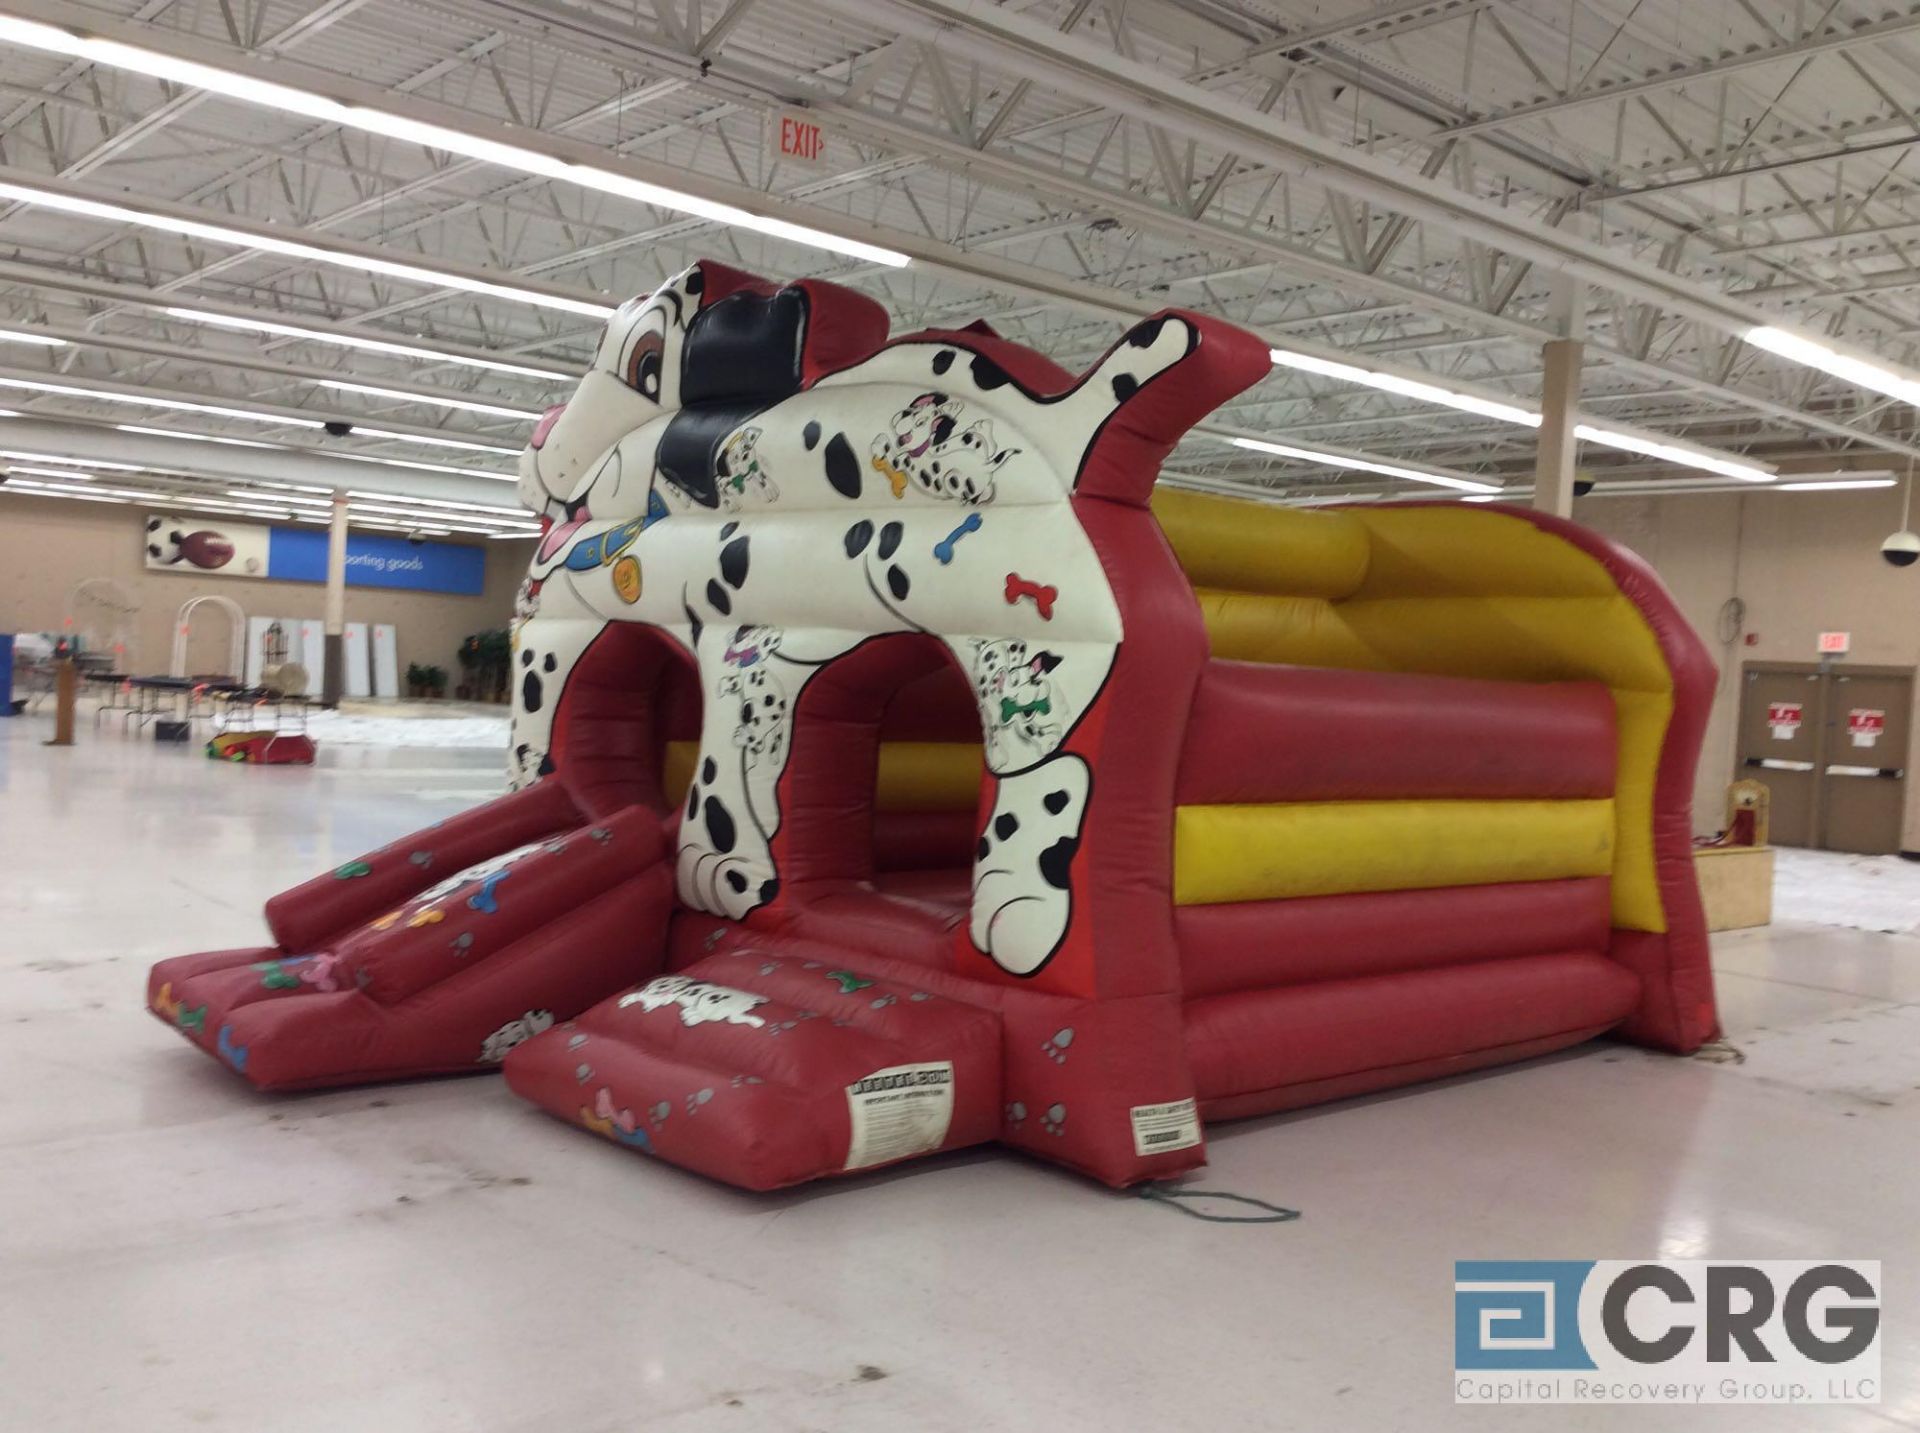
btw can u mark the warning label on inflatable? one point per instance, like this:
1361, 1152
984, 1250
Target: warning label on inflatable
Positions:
1784, 718
900, 1111
1159, 1128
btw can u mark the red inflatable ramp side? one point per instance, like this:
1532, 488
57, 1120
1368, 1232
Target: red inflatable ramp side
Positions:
765, 1070
362, 889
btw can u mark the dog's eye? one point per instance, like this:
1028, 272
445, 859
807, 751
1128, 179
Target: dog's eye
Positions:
643, 366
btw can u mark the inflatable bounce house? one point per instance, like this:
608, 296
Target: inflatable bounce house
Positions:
897, 771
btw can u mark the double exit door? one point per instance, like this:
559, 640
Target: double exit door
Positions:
1831, 744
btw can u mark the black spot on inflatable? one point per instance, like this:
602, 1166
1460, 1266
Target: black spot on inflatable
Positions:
696, 281
549, 664
1143, 336
898, 583
1005, 824
943, 360
720, 825
810, 436
708, 771
1054, 801
843, 468
736, 881
728, 529
858, 536
769, 888
717, 595
693, 623
526, 659
985, 848
988, 374
530, 693
890, 539
1057, 859
1125, 385
733, 562
546, 766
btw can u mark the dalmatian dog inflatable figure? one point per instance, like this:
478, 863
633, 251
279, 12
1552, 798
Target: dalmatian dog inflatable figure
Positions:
779, 533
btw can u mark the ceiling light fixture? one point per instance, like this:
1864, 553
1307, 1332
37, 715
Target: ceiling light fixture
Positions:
12, 453
22, 490
69, 390
401, 395
1670, 453
1405, 387
1843, 485
1859, 371
62, 41
370, 345
192, 437
45, 340
288, 248
1362, 465
521, 513
465, 446
1682, 455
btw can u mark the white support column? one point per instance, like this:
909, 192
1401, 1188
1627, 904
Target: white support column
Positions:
333, 677
1553, 470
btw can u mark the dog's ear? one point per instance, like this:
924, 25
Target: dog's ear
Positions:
1046, 661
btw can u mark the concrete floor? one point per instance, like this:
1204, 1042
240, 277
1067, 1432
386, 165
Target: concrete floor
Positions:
179, 1253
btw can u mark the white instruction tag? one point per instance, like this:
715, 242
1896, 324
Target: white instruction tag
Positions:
900, 1111
1159, 1128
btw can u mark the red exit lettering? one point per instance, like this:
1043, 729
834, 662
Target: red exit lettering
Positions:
800, 139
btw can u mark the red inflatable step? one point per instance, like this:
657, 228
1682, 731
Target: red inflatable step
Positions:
766, 1070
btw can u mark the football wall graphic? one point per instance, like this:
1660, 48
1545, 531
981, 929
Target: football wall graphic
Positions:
206, 545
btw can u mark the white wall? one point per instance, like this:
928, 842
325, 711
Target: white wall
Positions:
1803, 563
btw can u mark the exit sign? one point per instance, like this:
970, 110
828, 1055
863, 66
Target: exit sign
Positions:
1835, 644
796, 138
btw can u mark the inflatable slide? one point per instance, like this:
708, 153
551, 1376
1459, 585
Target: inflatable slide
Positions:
897, 770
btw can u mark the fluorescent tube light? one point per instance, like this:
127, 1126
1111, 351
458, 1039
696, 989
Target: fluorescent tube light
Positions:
62, 41
192, 437
45, 340
1405, 387
1843, 485
69, 390
1669, 453
401, 395
1860, 371
1362, 465
368, 344
288, 248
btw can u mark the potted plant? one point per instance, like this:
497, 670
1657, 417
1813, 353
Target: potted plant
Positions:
416, 680
436, 682
496, 664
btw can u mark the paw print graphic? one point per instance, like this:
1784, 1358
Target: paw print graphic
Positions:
1016, 1115
739, 1080
583, 1073
574, 1042
422, 859
775, 1027
918, 996
1055, 1048
697, 1099
462, 942
884, 1001
661, 1110
1054, 1121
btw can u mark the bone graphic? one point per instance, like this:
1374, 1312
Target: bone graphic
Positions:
943, 549
1042, 595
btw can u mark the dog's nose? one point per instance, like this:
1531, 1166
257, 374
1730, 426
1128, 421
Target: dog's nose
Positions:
545, 425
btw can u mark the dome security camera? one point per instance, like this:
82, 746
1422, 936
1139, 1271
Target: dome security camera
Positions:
416, 537
337, 429
1902, 549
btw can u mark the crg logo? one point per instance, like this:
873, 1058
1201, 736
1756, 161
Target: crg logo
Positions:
1687, 1331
